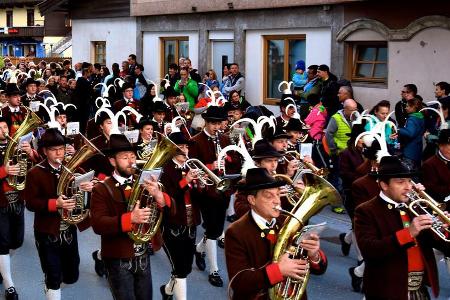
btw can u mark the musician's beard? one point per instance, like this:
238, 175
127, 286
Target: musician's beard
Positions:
125, 172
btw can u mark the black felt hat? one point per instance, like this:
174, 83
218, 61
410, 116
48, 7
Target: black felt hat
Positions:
259, 179
394, 167
126, 86
357, 129
52, 137
118, 143
215, 113
444, 136
159, 106
29, 81
286, 100
145, 121
264, 149
12, 89
102, 116
170, 92
279, 134
293, 125
178, 138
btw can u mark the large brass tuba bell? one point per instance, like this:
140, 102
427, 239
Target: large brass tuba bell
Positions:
141, 233
317, 194
66, 184
14, 154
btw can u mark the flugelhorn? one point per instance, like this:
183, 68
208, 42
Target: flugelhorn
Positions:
206, 176
304, 165
420, 203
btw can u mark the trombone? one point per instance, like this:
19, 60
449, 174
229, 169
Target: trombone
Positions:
206, 176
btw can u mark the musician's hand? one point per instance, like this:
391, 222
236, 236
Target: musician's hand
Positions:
191, 175
152, 187
312, 245
215, 165
293, 268
65, 203
168, 130
292, 167
284, 191
420, 223
299, 184
87, 186
70, 150
393, 136
140, 215
308, 159
26, 147
12, 169
420, 187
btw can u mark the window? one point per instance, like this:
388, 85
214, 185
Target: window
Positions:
30, 17
280, 55
99, 52
9, 18
172, 49
11, 50
368, 62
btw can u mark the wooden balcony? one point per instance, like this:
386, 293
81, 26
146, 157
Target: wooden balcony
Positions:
35, 31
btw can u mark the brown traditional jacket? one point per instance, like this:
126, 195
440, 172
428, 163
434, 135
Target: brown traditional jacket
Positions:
15, 119
98, 162
364, 189
383, 243
112, 220
436, 178
248, 254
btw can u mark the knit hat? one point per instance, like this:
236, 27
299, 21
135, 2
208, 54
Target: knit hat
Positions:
300, 65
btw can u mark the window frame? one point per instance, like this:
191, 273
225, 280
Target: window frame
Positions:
266, 39
94, 44
9, 14
31, 21
352, 49
177, 40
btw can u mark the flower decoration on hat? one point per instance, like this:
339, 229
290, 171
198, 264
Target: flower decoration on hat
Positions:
114, 118
242, 150
105, 88
440, 112
288, 89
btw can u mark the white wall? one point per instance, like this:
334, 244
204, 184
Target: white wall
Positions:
119, 34
152, 51
318, 51
424, 61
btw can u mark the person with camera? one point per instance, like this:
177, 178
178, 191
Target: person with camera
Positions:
188, 87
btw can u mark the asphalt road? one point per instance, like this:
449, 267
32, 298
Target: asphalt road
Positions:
334, 284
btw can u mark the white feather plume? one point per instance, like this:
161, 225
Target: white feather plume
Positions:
114, 118
288, 89
440, 113
241, 149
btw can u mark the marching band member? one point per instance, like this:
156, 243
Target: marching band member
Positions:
181, 220
146, 129
283, 119
31, 92
56, 241
127, 263
294, 129
397, 248
249, 242
213, 205
279, 140
127, 100
159, 116
170, 97
14, 113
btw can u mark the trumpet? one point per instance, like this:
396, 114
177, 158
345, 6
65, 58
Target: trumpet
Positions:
420, 203
206, 176
304, 165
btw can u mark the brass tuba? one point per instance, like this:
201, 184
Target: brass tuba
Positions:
421, 203
141, 233
294, 194
66, 184
16, 155
318, 193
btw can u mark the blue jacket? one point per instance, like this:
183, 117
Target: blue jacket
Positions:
411, 137
300, 79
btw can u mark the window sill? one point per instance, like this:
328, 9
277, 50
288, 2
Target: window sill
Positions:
373, 85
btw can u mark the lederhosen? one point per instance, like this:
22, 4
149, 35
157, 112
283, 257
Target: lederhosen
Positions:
56, 241
180, 220
11, 213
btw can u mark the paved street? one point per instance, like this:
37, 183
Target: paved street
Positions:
334, 284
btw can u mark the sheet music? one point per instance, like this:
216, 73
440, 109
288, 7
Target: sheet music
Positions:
147, 174
84, 178
73, 128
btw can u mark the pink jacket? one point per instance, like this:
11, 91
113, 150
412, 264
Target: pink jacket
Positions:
316, 120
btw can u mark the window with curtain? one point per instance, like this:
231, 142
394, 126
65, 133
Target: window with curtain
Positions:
99, 52
280, 55
30, 17
9, 18
172, 49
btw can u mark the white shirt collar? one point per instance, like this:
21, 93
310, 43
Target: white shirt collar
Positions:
260, 221
31, 96
442, 156
177, 163
208, 135
14, 109
389, 200
128, 100
121, 179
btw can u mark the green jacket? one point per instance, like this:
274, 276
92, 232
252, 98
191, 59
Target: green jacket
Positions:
190, 91
336, 133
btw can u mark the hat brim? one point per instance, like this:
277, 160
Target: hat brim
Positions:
113, 151
280, 136
262, 186
394, 175
218, 119
268, 155
52, 143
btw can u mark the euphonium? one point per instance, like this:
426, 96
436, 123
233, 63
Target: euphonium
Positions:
421, 203
317, 194
16, 155
66, 184
142, 233
146, 151
206, 176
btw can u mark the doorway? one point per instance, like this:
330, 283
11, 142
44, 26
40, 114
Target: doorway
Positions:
222, 54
